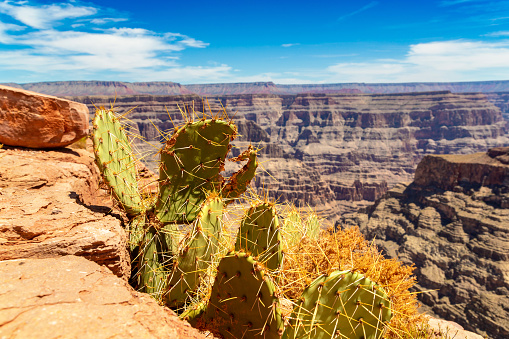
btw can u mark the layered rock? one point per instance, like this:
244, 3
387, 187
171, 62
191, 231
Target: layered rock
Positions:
325, 149
35, 120
71, 297
65, 88
452, 222
51, 205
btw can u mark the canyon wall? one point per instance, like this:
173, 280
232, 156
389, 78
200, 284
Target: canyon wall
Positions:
63, 88
452, 223
333, 151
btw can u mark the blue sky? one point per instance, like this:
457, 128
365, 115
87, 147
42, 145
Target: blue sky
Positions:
243, 41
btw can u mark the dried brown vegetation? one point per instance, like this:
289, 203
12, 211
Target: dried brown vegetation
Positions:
348, 250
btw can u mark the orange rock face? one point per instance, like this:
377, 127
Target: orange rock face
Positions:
35, 120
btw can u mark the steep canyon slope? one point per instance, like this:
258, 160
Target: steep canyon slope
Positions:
66, 88
333, 151
452, 222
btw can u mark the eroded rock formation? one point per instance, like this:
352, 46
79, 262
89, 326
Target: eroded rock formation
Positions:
452, 222
51, 205
31, 119
325, 149
71, 297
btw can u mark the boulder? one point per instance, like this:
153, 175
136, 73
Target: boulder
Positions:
72, 297
51, 205
35, 120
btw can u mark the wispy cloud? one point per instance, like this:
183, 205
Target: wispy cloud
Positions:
44, 16
498, 34
102, 21
360, 10
40, 41
446, 3
455, 60
290, 45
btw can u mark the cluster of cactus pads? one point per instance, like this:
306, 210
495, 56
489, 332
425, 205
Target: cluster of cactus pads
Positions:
243, 299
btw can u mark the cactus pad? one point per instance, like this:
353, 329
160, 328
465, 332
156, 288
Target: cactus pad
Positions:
190, 164
151, 273
115, 159
196, 256
340, 305
243, 303
259, 235
136, 230
238, 182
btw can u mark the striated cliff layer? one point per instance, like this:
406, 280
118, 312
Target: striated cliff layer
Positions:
325, 149
452, 222
63, 88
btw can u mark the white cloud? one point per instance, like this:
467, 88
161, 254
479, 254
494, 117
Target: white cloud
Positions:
290, 45
134, 53
101, 21
498, 34
435, 61
44, 16
5, 28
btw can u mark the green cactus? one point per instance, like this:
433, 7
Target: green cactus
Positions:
243, 302
195, 257
151, 274
115, 159
136, 231
190, 164
340, 305
259, 234
238, 182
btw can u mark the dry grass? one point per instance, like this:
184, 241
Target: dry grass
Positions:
348, 250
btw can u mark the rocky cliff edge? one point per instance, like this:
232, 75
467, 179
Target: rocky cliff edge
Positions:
452, 222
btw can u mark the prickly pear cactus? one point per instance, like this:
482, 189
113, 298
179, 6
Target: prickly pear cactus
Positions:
150, 272
199, 247
260, 235
190, 164
238, 182
115, 159
340, 305
243, 302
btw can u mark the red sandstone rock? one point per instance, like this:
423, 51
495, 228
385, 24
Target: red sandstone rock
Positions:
71, 297
35, 120
50, 206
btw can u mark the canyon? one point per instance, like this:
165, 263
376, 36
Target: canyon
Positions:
77, 88
452, 223
333, 152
